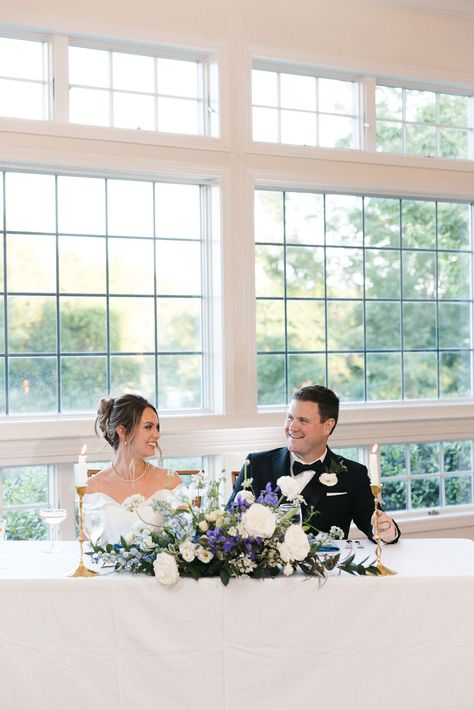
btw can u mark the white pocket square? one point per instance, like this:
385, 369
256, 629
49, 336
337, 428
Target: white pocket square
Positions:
341, 493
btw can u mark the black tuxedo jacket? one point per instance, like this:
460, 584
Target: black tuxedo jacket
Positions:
349, 500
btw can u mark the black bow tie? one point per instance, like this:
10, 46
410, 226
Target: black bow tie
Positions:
300, 467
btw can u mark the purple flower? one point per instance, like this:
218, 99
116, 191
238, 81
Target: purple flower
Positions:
268, 496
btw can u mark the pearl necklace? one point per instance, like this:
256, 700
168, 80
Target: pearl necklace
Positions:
130, 480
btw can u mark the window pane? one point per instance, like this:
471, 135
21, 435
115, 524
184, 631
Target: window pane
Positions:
2, 386
382, 222
133, 373
382, 273
305, 271
388, 102
306, 325
458, 490
177, 77
337, 132
453, 225
419, 224
136, 222
21, 58
178, 211
395, 495
265, 125
454, 325
419, 326
25, 484
455, 374
89, 106
134, 111
420, 375
187, 255
454, 272
179, 115
383, 325
270, 325
345, 325
264, 88
420, 106
421, 140
31, 263
424, 458
32, 324
22, 100
269, 216
298, 128
25, 525
132, 325
127, 259
305, 370
425, 493
454, 143
419, 274
271, 379
392, 460
457, 456
83, 381
389, 137
336, 96
346, 376
344, 220
298, 92
304, 217
133, 72
453, 109
269, 270
179, 324
384, 377
30, 202
179, 382
344, 273
32, 385
82, 263
89, 67
83, 324
81, 205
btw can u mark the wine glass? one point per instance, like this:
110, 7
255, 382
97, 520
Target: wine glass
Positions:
93, 522
53, 517
297, 517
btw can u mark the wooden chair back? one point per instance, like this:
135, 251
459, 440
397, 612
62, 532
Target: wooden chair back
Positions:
92, 472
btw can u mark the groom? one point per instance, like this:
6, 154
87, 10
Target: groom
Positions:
336, 488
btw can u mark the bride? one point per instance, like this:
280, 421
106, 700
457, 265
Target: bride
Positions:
131, 426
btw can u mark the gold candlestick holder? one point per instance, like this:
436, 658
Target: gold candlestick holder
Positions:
383, 571
81, 570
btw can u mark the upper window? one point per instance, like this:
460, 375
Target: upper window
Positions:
140, 91
100, 290
423, 122
303, 109
367, 294
24, 83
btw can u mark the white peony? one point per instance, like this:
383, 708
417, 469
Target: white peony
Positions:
288, 570
188, 550
133, 502
289, 487
203, 526
259, 521
166, 569
297, 543
284, 551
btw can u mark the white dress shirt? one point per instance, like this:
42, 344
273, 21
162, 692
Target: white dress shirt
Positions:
304, 477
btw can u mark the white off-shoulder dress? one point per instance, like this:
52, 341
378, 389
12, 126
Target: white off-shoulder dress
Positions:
119, 520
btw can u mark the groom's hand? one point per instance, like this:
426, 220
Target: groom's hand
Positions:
387, 529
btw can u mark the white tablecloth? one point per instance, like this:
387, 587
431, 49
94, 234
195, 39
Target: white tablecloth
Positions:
127, 643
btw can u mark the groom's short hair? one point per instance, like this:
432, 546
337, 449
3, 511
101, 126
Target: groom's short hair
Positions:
325, 398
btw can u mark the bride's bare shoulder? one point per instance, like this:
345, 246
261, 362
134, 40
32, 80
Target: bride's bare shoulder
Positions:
97, 482
166, 477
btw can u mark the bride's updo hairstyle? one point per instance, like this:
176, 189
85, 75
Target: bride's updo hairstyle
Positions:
125, 410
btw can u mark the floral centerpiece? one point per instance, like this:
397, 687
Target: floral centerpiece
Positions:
255, 538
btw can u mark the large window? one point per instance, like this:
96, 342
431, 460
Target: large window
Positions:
24, 83
100, 290
423, 122
304, 109
367, 294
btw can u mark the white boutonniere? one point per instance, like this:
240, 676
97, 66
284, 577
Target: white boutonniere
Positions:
329, 476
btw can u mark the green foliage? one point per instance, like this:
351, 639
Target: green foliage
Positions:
28, 484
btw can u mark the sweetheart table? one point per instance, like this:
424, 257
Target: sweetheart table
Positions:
116, 642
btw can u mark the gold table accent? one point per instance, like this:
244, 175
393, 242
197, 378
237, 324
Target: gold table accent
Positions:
383, 571
81, 570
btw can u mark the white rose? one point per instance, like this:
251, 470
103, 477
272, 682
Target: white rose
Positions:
259, 521
166, 569
246, 497
203, 554
289, 487
188, 550
297, 542
203, 526
288, 570
328, 479
147, 543
213, 515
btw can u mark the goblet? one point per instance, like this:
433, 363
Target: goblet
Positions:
53, 517
297, 517
93, 521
